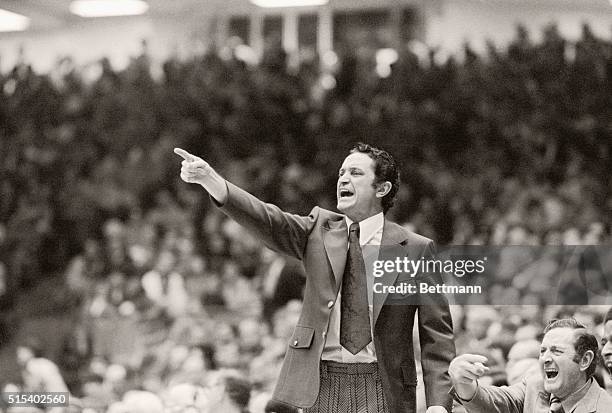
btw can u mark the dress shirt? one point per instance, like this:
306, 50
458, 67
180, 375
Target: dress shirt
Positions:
370, 234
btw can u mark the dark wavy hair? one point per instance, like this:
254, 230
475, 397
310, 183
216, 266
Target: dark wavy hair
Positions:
583, 341
385, 169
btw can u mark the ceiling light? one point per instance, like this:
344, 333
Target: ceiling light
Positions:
13, 22
288, 3
108, 8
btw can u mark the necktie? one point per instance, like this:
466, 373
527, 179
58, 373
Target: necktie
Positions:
555, 405
355, 331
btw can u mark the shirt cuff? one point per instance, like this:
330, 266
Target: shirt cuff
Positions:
460, 399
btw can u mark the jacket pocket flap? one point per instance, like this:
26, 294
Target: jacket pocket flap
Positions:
302, 337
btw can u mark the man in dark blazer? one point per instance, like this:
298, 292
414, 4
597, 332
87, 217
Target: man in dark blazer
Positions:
326, 368
565, 383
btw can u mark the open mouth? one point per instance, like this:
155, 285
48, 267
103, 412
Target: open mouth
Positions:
551, 374
345, 193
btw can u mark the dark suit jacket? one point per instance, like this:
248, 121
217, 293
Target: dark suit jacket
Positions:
529, 396
320, 240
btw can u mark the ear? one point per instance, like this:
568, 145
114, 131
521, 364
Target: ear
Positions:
383, 189
586, 360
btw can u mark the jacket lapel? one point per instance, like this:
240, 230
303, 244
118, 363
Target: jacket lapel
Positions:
588, 404
335, 240
393, 239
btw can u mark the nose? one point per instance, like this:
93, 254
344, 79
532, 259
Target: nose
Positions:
342, 179
545, 357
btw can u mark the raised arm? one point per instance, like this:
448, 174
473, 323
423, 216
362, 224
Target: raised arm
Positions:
465, 370
196, 170
281, 231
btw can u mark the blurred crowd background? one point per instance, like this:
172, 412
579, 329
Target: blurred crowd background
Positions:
126, 279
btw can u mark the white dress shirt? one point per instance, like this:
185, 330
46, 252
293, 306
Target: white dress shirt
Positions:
370, 234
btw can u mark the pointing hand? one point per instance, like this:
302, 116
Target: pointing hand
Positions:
466, 368
193, 168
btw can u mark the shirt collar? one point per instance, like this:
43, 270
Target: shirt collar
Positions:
570, 402
368, 227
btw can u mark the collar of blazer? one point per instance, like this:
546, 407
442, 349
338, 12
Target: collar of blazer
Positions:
335, 239
588, 403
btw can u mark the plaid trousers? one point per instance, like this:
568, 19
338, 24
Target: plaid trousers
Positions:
349, 388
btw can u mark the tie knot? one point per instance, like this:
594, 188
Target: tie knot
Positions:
555, 405
354, 227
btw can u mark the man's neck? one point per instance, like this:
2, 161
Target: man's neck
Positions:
362, 217
372, 218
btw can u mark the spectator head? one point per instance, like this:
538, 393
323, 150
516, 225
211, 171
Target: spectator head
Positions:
115, 374
568, 356
368, 181
518, 370
181, 397
136, 401
225, 391
194, 362
523, 350
606, 341
522, 360
478, 319
32, 348
10, 388
528, 332
250, 333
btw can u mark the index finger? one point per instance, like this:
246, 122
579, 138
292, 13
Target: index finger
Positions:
184, 154
475, 358
482, 366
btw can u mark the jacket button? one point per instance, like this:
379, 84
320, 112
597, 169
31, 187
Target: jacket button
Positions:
295, 343
330, 304
324, 334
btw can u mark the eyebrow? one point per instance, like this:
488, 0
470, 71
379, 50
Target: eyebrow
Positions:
554, 347
351, 168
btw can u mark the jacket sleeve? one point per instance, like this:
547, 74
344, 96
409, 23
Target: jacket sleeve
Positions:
436, 339
492, 399
279, 230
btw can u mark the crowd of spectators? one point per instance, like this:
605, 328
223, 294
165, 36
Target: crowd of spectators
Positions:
508, 148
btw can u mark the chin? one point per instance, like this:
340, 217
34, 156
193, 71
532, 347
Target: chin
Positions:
553, 388
342, 207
